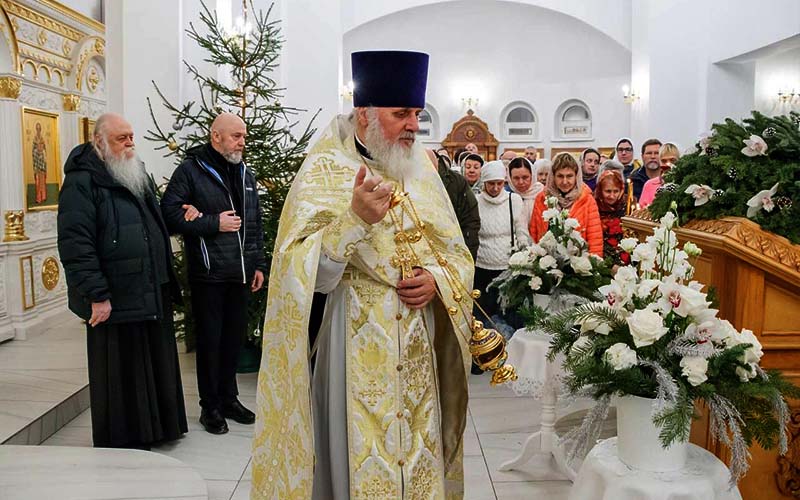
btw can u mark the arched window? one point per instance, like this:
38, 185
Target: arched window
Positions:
519, 122
573, 120
428, 123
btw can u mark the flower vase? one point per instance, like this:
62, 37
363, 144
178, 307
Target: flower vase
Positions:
638, 443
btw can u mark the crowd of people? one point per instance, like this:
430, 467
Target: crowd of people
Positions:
596, 190
372, 383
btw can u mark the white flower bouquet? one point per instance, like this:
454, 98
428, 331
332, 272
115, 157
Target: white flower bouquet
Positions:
559, 263
655, 335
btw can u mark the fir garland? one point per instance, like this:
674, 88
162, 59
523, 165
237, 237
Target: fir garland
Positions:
734, 178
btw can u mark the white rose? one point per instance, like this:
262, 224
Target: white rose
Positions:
620, 357
694, 369
691, 249
628, 244
591, 324
571, 224
548, 240
668, 220
537, 250
550, 214
753, 353
583, 343
535, 283
646, 327
547, 262
581, 265
518, 259
644, 253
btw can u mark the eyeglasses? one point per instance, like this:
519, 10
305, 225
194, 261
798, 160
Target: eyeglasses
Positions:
625, 150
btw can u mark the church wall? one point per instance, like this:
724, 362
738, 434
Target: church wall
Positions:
518, 53
778, 72
90, 8
675, 48
611, 17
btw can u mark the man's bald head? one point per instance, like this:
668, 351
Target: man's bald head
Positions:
228, 133
113, 135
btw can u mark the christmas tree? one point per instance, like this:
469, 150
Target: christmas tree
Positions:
273, 151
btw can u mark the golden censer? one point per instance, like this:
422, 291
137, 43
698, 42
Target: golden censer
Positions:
487, 346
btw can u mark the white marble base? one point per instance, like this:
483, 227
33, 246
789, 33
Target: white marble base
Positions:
69, 473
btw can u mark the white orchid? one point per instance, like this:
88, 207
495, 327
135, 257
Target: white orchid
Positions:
681, 299
705, 141
754, 146
762, 200
701, 193
571, 224
550, 214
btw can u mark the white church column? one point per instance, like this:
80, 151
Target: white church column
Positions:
70, 124
11, 182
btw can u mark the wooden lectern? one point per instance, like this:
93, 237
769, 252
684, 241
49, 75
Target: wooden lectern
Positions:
756, 275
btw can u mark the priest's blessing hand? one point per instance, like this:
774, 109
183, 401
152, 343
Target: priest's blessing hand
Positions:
370, 198
417, 292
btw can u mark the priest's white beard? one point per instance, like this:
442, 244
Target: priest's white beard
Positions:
397, 161
129, 172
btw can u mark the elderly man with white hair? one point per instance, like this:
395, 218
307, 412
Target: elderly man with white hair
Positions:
114, 247
384, 412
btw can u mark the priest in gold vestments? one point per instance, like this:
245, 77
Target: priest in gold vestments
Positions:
382, 415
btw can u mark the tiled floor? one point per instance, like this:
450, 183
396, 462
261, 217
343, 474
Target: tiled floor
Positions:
498, 424
37, 373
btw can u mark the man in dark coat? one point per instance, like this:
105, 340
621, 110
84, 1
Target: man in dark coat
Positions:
116, 254
224, 248
464, 202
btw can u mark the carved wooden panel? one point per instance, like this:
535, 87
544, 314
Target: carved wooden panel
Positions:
472, 129
788, 477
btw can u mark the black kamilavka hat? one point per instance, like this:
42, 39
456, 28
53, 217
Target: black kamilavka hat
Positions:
389, 78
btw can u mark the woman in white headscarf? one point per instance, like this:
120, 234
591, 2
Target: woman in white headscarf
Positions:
522, 182
502, 228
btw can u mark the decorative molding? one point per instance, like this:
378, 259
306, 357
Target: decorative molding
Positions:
98, 48
91, 109
71, 102
15, 226
74, 15
40, 99
762, 248
3, 305
42, 222
13, 8
51, 273
788, 474
10, 87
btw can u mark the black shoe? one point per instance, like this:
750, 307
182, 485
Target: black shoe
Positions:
238, 413
212, 421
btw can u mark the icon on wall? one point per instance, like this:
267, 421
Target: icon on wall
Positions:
40, 159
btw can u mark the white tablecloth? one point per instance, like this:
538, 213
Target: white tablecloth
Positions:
604, 477
527, 351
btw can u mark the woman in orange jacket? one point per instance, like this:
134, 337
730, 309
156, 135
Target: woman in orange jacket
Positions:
565, 184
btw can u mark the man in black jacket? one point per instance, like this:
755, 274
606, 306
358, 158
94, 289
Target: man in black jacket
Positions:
465, 205
224, 248
115, 249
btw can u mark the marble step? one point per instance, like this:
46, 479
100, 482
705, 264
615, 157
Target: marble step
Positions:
72, 473
43, 383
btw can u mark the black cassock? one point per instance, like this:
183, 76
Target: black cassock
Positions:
134, 374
